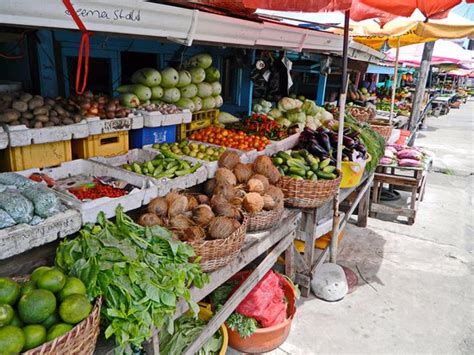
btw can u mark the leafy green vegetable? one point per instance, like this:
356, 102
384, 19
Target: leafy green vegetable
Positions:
220, 295
186, 329
246, 326
140, 271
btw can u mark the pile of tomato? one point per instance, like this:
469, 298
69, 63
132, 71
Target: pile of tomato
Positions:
230, 138
96, 191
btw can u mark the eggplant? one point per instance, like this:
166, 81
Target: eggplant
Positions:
348, 141
324, 142
317, 150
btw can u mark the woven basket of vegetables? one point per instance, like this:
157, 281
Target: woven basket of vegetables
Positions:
265, 219
303, 193
219, 252
384, 131
79, 340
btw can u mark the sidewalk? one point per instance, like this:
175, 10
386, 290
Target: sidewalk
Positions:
417, 296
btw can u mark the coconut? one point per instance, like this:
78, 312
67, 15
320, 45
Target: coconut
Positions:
181, 222
193, 234
255, 185
192, 202
149, 219
226, 190
224, 209
262, 164
209, 186
171, 196
276, 194
262, 179
253, 202
224, 175
202, 199
268, 202
178, 206
202, 214
243, 172
236, 201
221, 227
159, 206
228, 159
273, 175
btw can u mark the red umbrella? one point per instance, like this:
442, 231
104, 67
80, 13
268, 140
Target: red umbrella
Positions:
429, 8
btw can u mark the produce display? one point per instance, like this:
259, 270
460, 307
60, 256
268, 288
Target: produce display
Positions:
162, 107
361, 114
143, 288
33, 312
194, 150
404, 156
186, 329
357, 95
102, 106
196, 87
37, 111
25, 201
96, 190
166, 164
261, 125
299, 164
230, 138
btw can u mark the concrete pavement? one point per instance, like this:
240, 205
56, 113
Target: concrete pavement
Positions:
417, 297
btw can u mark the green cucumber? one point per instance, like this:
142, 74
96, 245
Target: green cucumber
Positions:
297, 163
150, 167
158, 170
297, 171
157, 162
172, 165
329, 169
297, 177
277, 161
315, 167
326, 176
283, 155
314, 177
309, 174
136, 168
169, 154
324, 163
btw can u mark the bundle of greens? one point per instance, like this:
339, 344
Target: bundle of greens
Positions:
186, 329
140, 271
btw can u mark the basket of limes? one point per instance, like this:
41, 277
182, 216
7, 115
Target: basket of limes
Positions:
47, 312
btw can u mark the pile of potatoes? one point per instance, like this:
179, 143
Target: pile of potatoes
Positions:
37, 111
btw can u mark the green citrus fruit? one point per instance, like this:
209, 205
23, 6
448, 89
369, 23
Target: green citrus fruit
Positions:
58, 330
51, 320
36, 306
52, 280
74, 308
6, 314
27, 287
9, 291
38, 272
12, 339
73, 286
35, 335
16, 321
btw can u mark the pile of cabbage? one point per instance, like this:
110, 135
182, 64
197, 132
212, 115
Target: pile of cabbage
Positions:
292, 111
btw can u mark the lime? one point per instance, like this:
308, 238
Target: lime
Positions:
74, 308
52, 280
12, 339
73, 286
52, 320
36, 306
9, 291
6, 314
35, 335
57, 330
16, 321
38, 272
27, 287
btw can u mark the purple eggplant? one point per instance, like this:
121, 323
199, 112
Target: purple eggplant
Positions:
324, 142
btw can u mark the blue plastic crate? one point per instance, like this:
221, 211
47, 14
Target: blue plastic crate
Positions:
152, 135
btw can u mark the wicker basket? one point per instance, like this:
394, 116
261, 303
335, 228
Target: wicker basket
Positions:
384, 131
308, 193
80, 340
219, 252
264, 220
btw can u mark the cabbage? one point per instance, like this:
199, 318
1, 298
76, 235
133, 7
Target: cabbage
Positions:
265, 103
283, 121
296, 116
275, 113
326, 116
310, 108
312, 122
257, 108
298, 103
286, 104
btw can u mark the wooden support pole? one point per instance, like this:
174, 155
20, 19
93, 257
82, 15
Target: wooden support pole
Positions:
420, 86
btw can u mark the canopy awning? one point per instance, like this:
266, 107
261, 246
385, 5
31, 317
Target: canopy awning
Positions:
380, 69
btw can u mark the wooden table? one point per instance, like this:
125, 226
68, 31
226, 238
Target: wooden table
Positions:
401, 178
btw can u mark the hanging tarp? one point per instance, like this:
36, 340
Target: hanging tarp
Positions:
380, 69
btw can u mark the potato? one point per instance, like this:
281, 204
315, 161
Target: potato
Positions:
9, 115
69, 108
38, 124
77, 118
15, 123
40, 111
53, 113
20, 106
42, 118
49, 124
49, 101
24, 121
7, 97
59, 110
27, 115
26, 97
35, 102
54, 119
67, 121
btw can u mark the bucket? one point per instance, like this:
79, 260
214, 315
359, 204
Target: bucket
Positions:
265, 339
352, 172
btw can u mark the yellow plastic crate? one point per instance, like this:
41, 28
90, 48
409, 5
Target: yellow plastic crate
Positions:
200, 119
35, 156
100, 145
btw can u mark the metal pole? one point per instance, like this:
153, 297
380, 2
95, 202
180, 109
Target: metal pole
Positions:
342, 108
420, 86
395, 79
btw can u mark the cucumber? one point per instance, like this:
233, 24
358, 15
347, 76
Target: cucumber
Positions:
324, 163
285, 168
145, 171
326, 176
297, 177
314, 177
297, 171
280, 169
158, 170
315, 167
297, 163
277, 161
329, 169
150, 167
172, 165
283, 155
169, 154
136, 168
309, 174
157, 162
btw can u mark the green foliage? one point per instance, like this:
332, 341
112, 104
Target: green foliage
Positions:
141, 272
246, 326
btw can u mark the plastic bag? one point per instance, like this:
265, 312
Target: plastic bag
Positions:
17, 206
46, 202
16, 180
265, 302
6, 220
